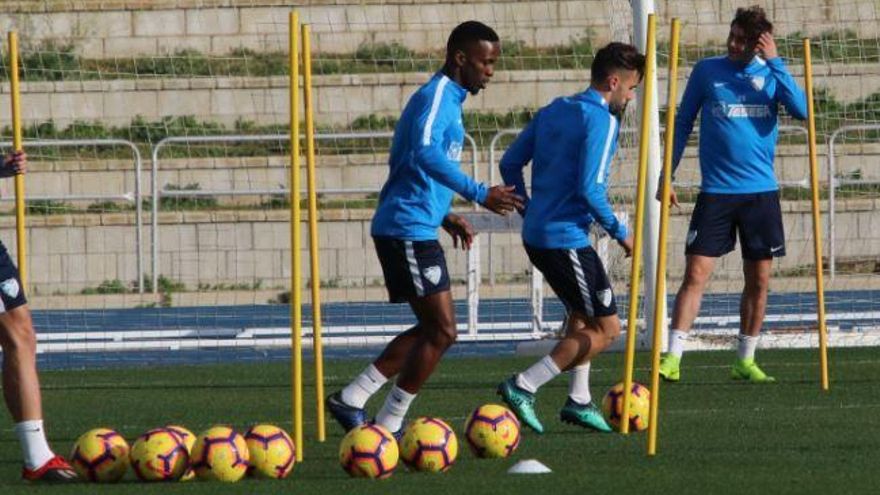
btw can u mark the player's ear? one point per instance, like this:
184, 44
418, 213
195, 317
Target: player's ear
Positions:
460, 58
613, 81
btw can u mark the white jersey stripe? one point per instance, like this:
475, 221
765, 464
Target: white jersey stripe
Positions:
606, 153
435, 107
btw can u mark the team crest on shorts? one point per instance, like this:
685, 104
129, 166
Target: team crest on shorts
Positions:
605, 296
433, 274
10, 287
692, 236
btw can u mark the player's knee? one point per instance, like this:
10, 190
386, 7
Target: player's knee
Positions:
758, 285
18, 339
444, 333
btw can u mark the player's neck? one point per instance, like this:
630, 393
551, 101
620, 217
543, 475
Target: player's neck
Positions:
452, 73
605, 93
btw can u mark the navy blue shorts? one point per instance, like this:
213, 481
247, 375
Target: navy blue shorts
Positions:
578, 278
718, 217
412, 269
11, 292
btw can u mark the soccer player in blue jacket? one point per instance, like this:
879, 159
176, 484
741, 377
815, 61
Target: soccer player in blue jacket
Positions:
416, 199
571, 143
737, 97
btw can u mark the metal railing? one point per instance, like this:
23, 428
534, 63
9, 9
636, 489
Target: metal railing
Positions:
157, 192
52, 143
833, 182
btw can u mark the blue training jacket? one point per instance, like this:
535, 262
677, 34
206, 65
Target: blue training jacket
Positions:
424, 164
570, 143
738, 121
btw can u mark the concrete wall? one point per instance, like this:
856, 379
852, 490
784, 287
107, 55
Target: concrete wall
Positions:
356, 171
69, 253
339, 99
111, 28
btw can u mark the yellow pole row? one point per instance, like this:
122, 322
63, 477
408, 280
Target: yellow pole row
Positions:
295, 241
15, 92
659, 301
296, 234
313, 232
817, 219
635, 273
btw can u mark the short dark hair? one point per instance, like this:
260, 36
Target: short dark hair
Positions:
753, 21
469, 32
616, 56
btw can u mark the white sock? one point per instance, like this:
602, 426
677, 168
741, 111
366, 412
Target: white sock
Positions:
540, 373
34, 447
363, 387
746, 347
393, 411
579, 386
676, 342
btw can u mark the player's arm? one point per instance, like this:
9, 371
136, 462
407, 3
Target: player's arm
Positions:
787, 91
691, 102
516, 158
430, 155
13, 164
595, 158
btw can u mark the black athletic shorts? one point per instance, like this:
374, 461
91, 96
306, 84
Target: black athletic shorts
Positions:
412, 269
718, 217
11, 292
578, 278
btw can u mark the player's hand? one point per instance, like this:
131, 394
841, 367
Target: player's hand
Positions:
461, 230
13, 164
627, 245
502, 200
767, 46
673, 198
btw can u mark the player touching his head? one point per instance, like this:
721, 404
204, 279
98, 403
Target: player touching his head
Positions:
571, 143
414, 202
737, 97
21, 383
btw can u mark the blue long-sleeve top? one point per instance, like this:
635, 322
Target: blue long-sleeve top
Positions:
425, 164
738, 105
570, 143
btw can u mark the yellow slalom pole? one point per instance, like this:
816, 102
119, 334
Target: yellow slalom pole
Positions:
295, 242
659, 301
817, 220
648, 91
313, 232
15, 91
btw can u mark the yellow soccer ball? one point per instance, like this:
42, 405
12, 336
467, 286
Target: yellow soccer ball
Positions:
639, 406
159, 455
272, 454
369, 451
220, 453
188, 439
492, 431
100, 455
429, 445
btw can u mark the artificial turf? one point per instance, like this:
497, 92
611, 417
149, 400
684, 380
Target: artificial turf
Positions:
715, 436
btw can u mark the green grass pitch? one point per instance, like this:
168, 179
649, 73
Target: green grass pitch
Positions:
716, 435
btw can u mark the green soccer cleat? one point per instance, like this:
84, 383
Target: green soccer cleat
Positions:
522, 402
670, 368
587, 416
747, 369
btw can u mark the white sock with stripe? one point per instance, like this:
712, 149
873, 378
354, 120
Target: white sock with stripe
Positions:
579, 384
394, 410
33, 442
359, 391
537, 375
